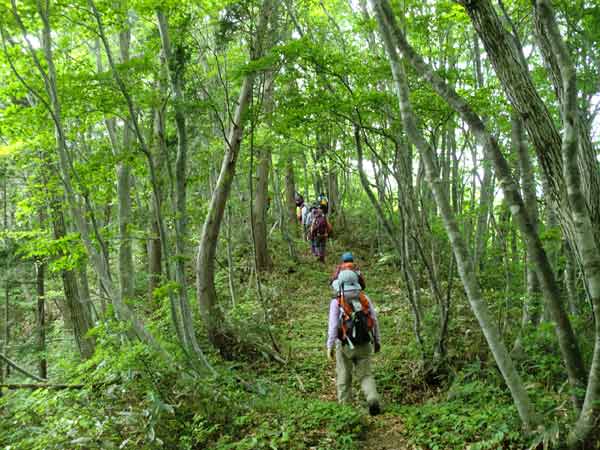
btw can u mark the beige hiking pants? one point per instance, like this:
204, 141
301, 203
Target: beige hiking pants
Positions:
359, 359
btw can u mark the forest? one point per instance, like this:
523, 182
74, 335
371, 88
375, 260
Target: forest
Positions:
183, 183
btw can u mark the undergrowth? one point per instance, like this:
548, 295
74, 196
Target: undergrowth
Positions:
131, 398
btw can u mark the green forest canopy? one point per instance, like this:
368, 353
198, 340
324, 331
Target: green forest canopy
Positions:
158, 291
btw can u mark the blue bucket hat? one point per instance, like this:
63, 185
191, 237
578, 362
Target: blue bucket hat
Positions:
347, 257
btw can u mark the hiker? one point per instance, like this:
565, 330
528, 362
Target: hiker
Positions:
348, 264
306, 212
323, 202
318, 233
354, 331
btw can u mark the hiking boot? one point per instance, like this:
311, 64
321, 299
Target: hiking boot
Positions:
374, 409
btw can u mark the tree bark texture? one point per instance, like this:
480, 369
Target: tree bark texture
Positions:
584, 231
566, 337
205, 260
586, 156
514, 76
464, 263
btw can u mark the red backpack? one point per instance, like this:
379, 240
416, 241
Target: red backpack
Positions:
319, 227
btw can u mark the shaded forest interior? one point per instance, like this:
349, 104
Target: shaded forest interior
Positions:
158, 289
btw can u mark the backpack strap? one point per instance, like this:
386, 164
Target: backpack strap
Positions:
346, 313
364, 303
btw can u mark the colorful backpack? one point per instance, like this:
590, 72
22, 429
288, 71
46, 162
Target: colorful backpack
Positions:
356, 323
319, 228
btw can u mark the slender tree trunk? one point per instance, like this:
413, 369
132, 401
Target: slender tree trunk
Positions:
155, 244
486, 192
464, 263
5, 370
261, 196
584, 231
333, 190
126, 269
290, 189
6, 330
40, 276
176, 64
531, 309
205, 261
259, 211
306, 179
119, 150
285, 227
571, 280
154, 258
485, 204
84, 291
379, 185
79, 308
230, 267
566, 338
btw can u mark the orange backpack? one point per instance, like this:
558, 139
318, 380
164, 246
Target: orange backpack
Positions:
356, 325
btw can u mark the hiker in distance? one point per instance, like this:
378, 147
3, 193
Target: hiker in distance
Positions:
306, 218
353, 334
318, 233
323, 203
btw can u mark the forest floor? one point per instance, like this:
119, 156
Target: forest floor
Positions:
285, 406
304, 325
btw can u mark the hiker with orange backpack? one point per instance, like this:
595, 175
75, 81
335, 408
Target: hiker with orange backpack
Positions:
348, 264
353, 335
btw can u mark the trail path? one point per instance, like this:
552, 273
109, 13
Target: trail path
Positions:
314, 374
